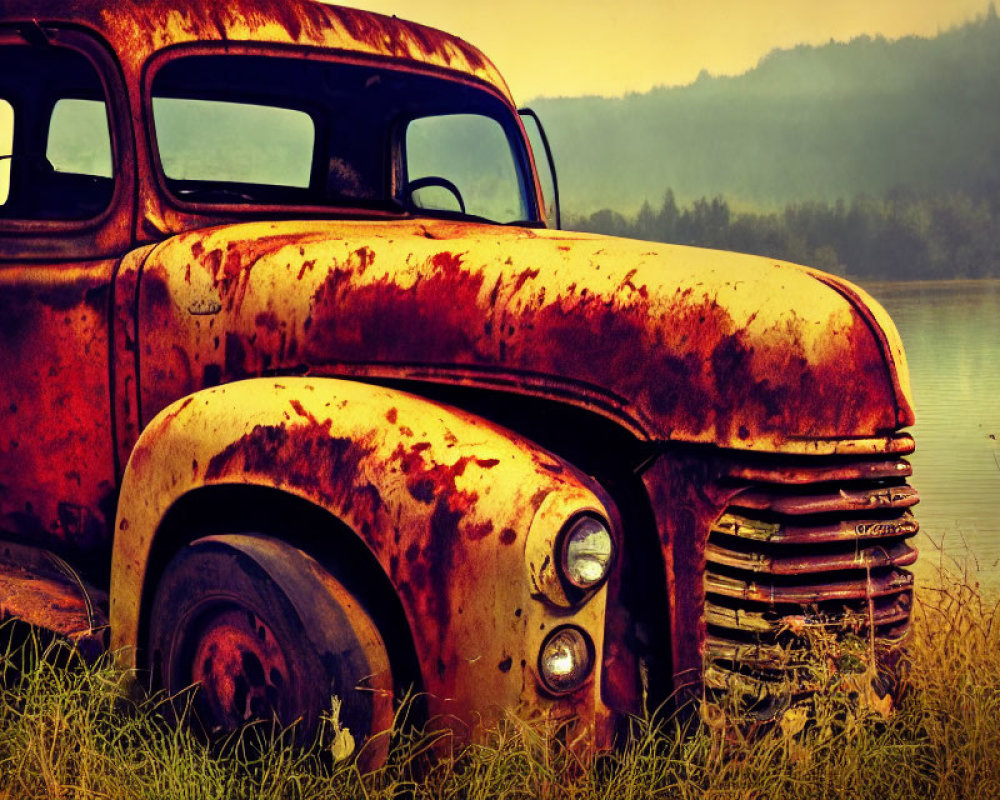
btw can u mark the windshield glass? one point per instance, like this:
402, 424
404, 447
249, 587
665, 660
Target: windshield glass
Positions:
267, 130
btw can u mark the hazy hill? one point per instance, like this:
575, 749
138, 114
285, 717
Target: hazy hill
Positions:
810, 123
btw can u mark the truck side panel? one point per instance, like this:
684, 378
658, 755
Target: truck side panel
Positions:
57, 482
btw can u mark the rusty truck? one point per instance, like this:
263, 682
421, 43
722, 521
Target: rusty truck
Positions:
303, 396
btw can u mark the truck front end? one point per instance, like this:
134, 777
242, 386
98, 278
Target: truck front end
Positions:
742, 415
702, 453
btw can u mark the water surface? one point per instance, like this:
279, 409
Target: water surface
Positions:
951, 331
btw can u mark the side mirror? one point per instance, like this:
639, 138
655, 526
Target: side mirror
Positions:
553, 192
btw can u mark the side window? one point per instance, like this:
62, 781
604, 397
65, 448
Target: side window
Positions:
62, 166
6, 148
79, 141
463, 163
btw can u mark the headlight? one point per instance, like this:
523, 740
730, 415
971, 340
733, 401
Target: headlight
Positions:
587, 550
566, 660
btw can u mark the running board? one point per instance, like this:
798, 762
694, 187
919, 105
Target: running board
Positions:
42, 590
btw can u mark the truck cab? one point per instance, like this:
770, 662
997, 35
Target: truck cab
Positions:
303, 396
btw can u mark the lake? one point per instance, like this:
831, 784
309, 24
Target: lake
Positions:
951, 331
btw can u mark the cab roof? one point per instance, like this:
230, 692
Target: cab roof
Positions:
136, 29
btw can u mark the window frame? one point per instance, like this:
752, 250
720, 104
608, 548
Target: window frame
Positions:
110, 231
187, 214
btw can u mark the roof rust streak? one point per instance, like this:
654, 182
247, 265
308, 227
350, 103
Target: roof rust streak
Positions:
136, 29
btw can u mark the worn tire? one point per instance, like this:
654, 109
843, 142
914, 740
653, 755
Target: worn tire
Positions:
266, 633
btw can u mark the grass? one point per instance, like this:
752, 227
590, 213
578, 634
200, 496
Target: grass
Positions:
69, 730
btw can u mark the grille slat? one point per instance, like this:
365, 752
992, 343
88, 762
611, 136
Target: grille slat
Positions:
897, 554
811, 592
741, 622
846, 500
811, 546
845, 530
801, 475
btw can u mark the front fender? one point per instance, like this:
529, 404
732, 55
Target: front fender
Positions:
458, 512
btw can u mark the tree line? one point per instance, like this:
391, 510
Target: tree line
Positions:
907, 234
808, 123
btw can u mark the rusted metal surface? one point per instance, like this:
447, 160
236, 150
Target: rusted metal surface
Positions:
853, 530
41, 589
828, 503
57, 478
240, 664
804, 474
736, 351
884, 611
737, 584
135, 30
824, 555
822, 590
461, 515
898, 553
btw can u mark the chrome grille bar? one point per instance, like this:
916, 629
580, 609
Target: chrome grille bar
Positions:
809, 545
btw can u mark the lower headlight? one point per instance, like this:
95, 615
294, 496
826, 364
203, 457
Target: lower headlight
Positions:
587, 550
566, 660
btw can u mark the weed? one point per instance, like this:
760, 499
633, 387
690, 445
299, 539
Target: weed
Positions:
69, 729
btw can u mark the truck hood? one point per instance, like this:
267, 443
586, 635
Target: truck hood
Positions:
676, 343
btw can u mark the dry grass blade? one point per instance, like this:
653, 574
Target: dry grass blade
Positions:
68, 729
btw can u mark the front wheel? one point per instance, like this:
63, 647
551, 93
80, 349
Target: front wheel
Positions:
264, 632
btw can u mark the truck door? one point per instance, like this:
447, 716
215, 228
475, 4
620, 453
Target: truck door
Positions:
66, 205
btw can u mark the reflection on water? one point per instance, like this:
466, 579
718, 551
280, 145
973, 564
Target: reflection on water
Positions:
951, 331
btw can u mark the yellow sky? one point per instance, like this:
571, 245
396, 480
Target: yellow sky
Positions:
574, 47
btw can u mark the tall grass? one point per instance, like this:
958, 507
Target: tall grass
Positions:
71, 730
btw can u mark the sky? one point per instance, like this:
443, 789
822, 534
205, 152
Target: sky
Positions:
575, 47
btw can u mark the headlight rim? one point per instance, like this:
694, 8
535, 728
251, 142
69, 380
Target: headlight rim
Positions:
588, 672
573, 589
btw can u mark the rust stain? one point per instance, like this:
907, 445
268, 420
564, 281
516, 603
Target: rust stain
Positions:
709, 374
479, 530
429, 481
56, 456
267, 320
303, 455
136, 29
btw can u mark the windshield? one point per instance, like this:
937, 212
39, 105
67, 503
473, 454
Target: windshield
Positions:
266, 130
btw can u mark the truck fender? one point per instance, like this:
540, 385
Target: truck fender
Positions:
462, 516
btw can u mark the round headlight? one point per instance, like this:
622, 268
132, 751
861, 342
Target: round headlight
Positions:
587, 550
566, 660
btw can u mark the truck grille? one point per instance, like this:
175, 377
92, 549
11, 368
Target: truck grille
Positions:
811, 549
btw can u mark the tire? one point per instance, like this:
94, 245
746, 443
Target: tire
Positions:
266, 633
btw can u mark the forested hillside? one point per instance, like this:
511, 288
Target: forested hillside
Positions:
904, 235
807, 124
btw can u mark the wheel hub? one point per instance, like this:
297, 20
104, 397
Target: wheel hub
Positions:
241, 668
